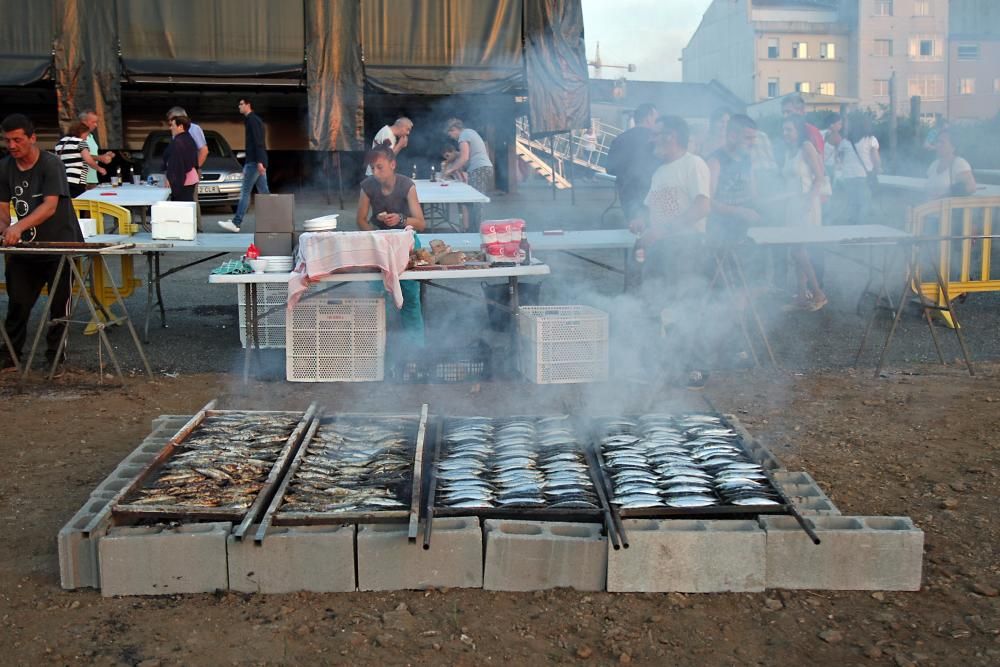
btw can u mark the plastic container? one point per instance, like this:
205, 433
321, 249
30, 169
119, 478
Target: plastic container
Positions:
335, 340
494, 252
563, 344
488, 233
517, 230
503, 232
511, 252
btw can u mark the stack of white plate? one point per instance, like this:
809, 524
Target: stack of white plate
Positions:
325, 223
278, 263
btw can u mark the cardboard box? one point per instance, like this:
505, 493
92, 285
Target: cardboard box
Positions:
275, 213
273, 243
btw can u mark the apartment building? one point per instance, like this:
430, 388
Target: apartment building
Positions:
853, 51
974, 59
763, 49
905, 38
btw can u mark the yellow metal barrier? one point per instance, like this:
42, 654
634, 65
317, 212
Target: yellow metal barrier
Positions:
965, 264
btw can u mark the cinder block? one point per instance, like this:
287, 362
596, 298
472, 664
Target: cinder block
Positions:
805, 494
77, 550
757, 450
153, 560
301, 558
689, 557
536, 555
855, 553
388, 562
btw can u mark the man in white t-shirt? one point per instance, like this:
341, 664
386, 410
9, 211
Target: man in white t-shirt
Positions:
671, 233
396, 135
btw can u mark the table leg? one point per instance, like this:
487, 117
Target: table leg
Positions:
44, 322
128, 322
515, 306
250, 299
159, 294
149, 296
10, 348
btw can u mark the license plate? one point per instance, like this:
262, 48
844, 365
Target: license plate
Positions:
208, 189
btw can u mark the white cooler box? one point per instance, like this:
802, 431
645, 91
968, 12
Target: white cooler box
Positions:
175, 220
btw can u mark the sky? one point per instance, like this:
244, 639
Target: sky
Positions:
647, 33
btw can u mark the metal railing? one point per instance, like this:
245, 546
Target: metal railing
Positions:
581, 148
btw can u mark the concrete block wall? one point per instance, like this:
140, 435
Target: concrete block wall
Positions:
154, 560
855, 553
805, 494
689, 556
757, 450
295, 558
537, 555
387, 561
78, 552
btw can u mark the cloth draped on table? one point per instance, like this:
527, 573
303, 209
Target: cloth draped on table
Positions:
323, 253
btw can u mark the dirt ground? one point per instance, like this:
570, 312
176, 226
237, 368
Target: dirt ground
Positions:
922, 444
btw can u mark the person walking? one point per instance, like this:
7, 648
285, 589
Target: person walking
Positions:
254, 166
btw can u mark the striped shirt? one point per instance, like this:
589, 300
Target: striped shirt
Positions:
70, 151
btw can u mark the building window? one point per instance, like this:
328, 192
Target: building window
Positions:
772, 88
803, 87
883, 48
772, 47
925, 47
921, 8
800, 50
883, 7
827, 50
828, 88
968, 52
880, 88
926, 86
967, 86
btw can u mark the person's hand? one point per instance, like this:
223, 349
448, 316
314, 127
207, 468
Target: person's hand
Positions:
402, 142
12, 235
108, 157
102, 171
392, 219
636, 226
261, 169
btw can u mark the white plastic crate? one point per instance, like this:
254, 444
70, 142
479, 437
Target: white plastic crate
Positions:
270, 328
336, 340
563, 344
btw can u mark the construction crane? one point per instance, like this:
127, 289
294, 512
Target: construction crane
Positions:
597, 64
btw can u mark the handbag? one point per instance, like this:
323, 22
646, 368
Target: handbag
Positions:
870, 176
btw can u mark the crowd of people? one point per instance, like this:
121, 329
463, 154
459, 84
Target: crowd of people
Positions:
684, 207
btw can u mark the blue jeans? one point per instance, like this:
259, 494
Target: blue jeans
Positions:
251, 177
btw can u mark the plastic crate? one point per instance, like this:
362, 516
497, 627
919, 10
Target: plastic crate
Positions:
271, 328
336, 340
472, 364
563, 344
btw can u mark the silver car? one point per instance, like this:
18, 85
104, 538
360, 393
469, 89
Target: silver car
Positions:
221, 175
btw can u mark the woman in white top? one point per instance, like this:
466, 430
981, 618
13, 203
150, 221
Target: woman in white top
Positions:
949, 175
857, 157
803, 176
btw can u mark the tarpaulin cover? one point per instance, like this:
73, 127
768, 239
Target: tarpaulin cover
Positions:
217, 38
25, 41
555, 61
87, 69
334, 75
442, 47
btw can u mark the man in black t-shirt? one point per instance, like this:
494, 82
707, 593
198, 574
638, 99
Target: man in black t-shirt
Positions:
34, 181
631, 160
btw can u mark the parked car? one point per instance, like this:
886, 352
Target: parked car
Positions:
221, 175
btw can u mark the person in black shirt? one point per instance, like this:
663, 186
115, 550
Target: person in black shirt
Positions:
254, 165
35, 183
632, 162
181, 161
734, 197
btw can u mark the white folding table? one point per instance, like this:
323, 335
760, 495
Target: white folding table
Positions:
215, 245
436, 197
250, 281
136, 198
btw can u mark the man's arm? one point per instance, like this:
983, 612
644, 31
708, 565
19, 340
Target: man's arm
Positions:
461, 160
362, 217
12, 233
91, 162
